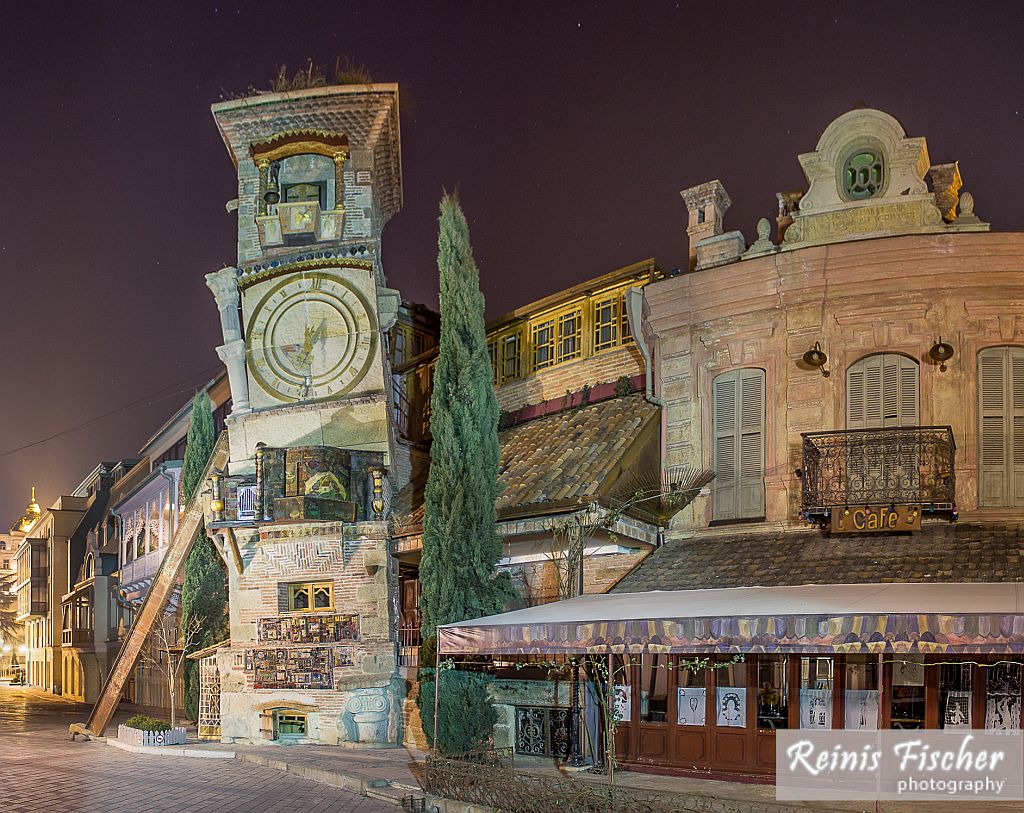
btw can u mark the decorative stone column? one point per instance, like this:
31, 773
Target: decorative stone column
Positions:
369, 710
261, 201
224, 284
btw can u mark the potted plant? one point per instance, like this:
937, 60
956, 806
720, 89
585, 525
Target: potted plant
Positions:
143, 730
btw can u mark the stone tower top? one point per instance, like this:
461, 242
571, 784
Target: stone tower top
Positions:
706, 204
316, 167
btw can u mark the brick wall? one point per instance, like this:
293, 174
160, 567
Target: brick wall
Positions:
554, 382
314, 552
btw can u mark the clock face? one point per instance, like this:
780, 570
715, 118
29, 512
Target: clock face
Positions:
311, 336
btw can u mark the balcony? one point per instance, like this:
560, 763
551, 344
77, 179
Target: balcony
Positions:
299, 223
76, 637
138, 574
911, 466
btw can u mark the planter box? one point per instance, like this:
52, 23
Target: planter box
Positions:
133, 736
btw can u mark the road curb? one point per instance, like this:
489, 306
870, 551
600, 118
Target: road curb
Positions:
169, 750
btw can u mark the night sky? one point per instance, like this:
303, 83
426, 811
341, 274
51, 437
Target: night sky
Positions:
568, 128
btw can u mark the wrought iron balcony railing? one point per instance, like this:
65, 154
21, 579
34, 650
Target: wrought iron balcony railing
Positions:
912, 465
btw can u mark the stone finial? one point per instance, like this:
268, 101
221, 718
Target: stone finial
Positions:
764, 243
967, 220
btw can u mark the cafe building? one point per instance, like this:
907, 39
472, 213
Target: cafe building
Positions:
855, 380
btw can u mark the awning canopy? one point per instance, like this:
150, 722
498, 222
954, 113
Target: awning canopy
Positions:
847, 618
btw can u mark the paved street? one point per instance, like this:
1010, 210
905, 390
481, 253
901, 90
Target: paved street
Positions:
42, 771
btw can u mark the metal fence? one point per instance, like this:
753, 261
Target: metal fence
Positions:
902, 465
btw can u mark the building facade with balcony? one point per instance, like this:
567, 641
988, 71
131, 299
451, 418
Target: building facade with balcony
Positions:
145, 506
91, 610
856, 383
41, 562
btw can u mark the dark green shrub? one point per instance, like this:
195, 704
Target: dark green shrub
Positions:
143, 722
466, 714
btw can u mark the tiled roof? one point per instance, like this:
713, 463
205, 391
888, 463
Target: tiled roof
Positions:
941, 552
572, 455
563, 459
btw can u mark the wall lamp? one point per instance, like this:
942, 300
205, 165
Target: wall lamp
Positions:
941, 352
815, 357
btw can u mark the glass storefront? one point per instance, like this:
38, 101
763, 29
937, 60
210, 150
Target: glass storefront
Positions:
725, 718
817, 679
691, 697
731, 696
772, 692
907, 700
654, 671
860, 698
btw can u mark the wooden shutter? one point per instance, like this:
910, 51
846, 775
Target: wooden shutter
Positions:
881, 391
1001, 427
738, 444
1015, 426
723, 450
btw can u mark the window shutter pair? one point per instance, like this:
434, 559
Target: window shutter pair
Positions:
1001, 427
737, 427
882, 391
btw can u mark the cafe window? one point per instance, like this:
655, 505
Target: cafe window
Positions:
817, 681
955, 695
1003, 697
654, 688
861, 694
908, 696
311, 596
691, 696
543, 345
622, 682
731, 695
772, 692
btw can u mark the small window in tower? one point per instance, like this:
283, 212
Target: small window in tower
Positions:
306, 193
863, 174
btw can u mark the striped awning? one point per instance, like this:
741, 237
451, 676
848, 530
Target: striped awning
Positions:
840, 618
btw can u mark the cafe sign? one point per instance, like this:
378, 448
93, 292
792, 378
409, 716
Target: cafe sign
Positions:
876, 519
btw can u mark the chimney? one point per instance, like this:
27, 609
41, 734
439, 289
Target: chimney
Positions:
706, 205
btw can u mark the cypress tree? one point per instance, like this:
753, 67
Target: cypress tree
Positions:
204, 593
461, 544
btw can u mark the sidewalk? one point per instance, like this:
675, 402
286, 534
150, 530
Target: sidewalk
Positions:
391, 773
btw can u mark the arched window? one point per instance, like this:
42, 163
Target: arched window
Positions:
737, 449
1001, 427
882, 391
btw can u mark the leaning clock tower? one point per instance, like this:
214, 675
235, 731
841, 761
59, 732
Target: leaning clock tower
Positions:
298, 512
